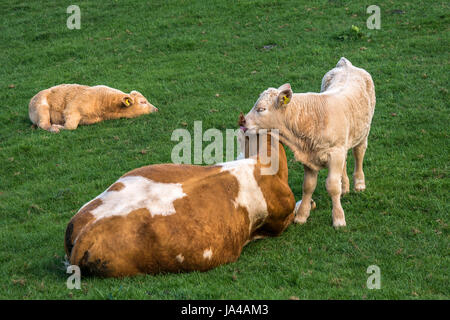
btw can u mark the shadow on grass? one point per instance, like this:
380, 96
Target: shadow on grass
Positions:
51, 267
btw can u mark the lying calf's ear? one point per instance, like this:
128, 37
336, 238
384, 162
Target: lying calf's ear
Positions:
285, 95
127, 101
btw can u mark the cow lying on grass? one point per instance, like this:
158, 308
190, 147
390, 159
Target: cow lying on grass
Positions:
67, 105
174, 218
320, 128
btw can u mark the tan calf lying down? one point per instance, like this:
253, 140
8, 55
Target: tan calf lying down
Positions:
320, 128
67, 105
173, 218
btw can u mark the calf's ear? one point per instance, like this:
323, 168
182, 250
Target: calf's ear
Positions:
127, 101
285, 95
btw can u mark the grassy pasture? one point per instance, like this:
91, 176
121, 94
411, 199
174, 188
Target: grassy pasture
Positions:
209, 60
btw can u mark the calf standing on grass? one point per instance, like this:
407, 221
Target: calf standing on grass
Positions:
67, 105
320, 128
173, 218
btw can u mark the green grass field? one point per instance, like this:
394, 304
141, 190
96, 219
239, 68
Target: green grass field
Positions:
208, 61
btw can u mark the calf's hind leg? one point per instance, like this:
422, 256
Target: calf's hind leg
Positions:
358, 174
334, 188
345, 180
41, 116
42, 119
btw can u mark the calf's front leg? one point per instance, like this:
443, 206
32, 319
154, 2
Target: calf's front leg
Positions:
309, 185
72, 121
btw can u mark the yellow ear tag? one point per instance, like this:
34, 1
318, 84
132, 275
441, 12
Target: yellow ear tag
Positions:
127, 102
286, 100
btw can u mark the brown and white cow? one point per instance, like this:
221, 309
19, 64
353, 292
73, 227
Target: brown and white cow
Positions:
320, 128
175, 218
67, 105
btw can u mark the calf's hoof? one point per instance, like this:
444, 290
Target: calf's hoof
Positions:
360, 187
338, 223
55, 128
345, 187
360, 184
345, 190
300, 219
338, 217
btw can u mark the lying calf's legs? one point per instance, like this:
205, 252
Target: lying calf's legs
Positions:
72, 120
44, 122
309, 185
55, 128
333, 184
42, 117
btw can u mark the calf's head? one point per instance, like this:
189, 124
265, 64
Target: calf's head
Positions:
137, 104
269, 109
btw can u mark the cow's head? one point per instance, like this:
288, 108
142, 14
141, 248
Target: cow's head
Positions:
263, 145
268, 111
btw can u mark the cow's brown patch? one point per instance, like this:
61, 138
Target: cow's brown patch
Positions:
116, 187
68, 245
91, 206
77, 223
94, 267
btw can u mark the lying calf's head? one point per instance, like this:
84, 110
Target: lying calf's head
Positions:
137, 104
269, 109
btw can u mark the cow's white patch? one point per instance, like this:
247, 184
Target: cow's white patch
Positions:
237, 163
250, 195
179, 258
207, 254
139, 192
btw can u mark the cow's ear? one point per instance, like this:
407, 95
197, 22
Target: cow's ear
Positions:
127, 101
285, 95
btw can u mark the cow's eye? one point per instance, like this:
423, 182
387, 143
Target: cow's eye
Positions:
260, 109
